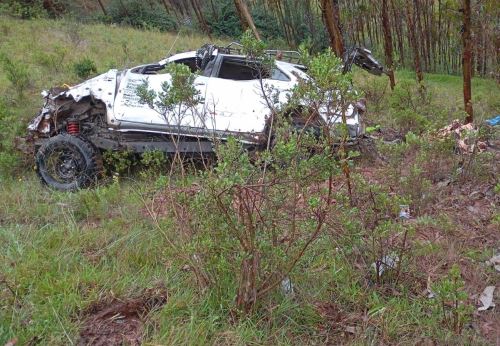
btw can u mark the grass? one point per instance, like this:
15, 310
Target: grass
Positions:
61, 252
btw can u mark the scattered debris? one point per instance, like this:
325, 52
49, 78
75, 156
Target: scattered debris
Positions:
120, 322
287, 286
495, 262
404, 212
486, 298
461, 133
494, 121
387, 262
428, 291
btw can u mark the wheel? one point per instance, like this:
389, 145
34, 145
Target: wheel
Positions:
68, 163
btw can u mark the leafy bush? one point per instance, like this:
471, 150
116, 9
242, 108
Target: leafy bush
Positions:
27, 9
450, 303
84, 68
53, 60
244, 227
118, 161
9, 158
17, 73
154, 160
140, 14
410, 106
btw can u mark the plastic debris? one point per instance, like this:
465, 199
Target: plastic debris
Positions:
428, 291
404, 212
287, 286
486, 298
494, 121
495, 262
387, 262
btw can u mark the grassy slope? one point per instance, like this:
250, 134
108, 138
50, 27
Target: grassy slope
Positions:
61, 252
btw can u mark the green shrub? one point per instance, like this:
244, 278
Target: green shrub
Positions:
410, 107
154, 160
140, 14
17, 73
450, 302
54, 60
84, 67
9, 158
118, 161
23, 9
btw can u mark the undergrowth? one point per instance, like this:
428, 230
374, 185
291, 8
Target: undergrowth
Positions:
366, 277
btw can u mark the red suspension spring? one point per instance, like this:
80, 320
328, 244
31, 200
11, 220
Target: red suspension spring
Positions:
73, 128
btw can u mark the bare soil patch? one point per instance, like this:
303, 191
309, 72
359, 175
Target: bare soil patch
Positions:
120, 322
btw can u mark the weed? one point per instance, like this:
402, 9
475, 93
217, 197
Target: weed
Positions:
119, 162
84, 67
154, 160
450, 303
54, 60
17, 73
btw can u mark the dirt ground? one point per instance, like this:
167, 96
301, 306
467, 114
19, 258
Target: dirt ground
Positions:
120, 322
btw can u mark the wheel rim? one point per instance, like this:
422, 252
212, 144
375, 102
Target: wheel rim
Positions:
65, 165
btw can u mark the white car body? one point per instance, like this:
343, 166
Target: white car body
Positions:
230, 107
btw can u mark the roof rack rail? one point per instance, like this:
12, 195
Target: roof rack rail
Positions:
290, 56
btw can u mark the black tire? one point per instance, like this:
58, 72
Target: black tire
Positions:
68, 163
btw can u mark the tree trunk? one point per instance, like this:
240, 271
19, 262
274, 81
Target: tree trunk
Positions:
413, 41
201, 19
467, 60
399, 33
214, 12
331, 17
247, 290
102, 7
387, 43
124, 8
246, 17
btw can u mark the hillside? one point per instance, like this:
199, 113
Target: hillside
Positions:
71, 263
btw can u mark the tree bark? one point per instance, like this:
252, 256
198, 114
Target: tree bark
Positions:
467, 60
413, 41
102, 7
331, 17
387, 43
246, 17
201, 18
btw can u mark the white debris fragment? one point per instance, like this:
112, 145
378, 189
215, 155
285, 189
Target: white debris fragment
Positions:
287, 286
404, 212
386, 262
486, 298
430, 294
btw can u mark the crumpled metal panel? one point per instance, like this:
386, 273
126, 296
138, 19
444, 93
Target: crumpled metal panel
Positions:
101, 87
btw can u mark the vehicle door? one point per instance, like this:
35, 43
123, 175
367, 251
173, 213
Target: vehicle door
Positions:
130, 112
235, 99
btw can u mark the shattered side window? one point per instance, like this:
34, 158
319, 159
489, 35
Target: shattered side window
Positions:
241, 69
238, 69
279, 75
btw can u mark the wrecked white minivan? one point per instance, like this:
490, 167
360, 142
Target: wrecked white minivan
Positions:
106, 113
